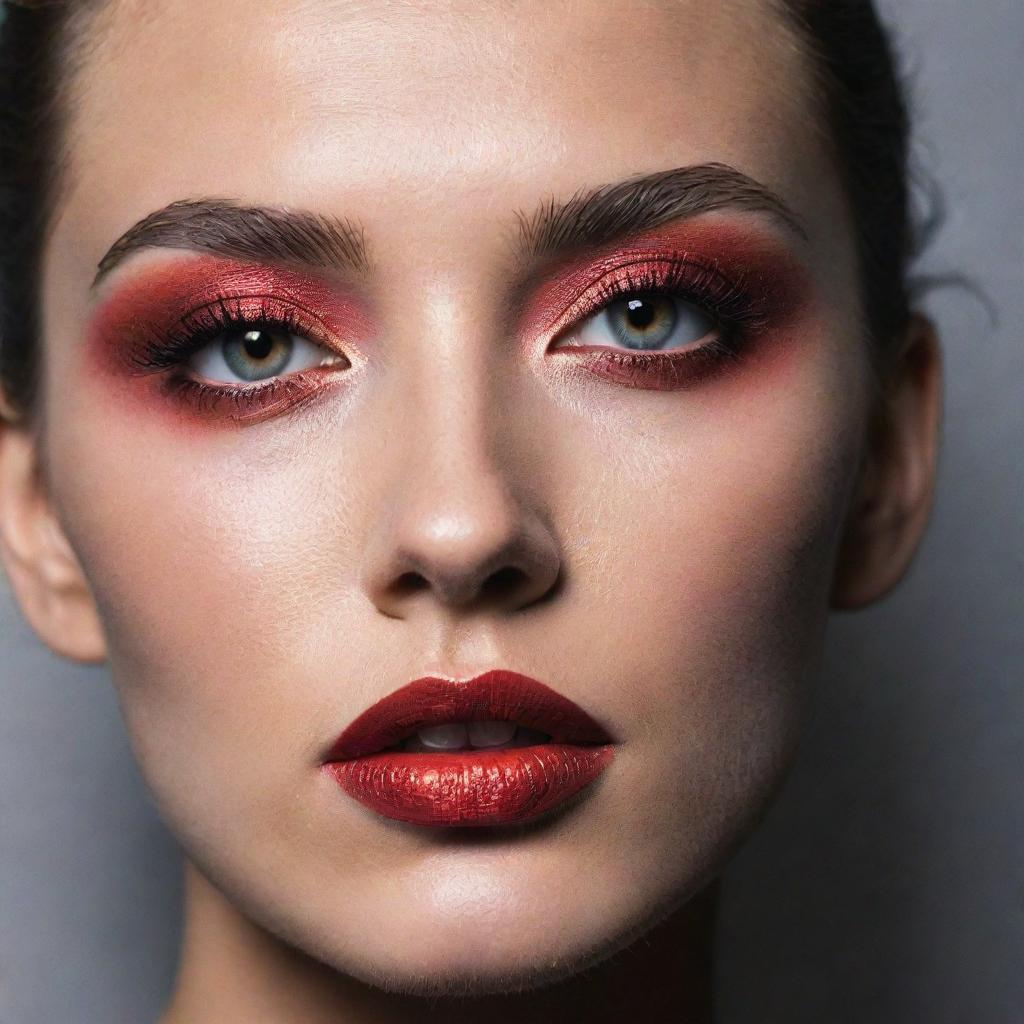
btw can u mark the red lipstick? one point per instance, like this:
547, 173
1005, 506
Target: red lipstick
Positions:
465, 787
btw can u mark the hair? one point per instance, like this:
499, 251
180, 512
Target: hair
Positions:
853, 70
864, 105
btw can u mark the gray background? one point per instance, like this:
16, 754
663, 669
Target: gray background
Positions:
887, 884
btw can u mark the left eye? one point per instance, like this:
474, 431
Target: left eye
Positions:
257, 353
646, 322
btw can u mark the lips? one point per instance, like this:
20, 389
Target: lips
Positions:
556, 751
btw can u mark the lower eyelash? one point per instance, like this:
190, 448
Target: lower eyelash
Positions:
244, 402
206, 396
669, 371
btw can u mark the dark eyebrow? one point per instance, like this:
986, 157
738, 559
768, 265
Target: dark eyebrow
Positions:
610, 212
588, 218
225, 227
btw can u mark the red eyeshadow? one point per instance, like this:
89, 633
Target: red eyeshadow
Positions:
777, 291
766, 268
156, 299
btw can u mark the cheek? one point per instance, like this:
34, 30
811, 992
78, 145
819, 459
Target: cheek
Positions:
706, 536
213, 567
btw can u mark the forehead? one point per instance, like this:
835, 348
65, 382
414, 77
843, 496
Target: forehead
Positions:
392, 109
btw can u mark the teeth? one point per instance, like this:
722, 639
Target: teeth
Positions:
444, 737
490, 735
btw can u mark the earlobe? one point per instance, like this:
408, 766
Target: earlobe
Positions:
892, 502
44, 572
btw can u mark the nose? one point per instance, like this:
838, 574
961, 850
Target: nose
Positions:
457, 532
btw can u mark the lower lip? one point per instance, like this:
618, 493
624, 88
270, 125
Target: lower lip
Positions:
471, 787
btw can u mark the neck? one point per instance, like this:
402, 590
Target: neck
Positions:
232, 971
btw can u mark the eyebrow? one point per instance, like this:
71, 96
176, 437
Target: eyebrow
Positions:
588, 218
610, 212
227, 228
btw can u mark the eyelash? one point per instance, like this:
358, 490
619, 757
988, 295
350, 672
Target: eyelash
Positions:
727, 301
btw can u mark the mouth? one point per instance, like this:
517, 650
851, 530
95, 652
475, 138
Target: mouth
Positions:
497, 749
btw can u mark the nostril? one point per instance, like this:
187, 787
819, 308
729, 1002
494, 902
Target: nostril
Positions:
504, 581
410, 583
502, 572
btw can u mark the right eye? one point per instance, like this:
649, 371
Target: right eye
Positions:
257, 352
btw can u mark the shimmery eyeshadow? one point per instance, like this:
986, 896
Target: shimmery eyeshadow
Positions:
155, 299
779, 288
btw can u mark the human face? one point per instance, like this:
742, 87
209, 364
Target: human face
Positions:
486, 475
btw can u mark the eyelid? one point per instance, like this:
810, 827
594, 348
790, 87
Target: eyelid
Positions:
146, 304
260, 315
777, 278
174, 345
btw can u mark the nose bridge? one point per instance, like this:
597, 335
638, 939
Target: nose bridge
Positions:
450, 405
454, 485
458, 527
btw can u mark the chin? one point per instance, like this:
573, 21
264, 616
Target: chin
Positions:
463, 942
463, 933
461, 969
467, 981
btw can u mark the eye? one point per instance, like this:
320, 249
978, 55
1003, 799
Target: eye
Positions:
255, 353
646, 322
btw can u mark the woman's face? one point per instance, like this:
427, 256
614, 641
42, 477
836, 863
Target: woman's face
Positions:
490, 439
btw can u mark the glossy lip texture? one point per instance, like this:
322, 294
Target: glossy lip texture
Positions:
469, 787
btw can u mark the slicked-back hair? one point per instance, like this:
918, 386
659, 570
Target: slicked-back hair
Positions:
850, 57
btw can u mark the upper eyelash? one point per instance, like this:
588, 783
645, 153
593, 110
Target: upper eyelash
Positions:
172, 347
680, 276
726, 299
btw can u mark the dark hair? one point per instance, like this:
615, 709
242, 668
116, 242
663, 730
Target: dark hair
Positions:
852, 66
864, 104
37, 57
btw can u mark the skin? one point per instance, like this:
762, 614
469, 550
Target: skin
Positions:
242, 582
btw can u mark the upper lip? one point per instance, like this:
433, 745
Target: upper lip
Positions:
498, 694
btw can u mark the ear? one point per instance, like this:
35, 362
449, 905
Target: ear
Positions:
44, 572
894, 496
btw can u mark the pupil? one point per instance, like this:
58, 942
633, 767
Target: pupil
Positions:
641, 313
258, 344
